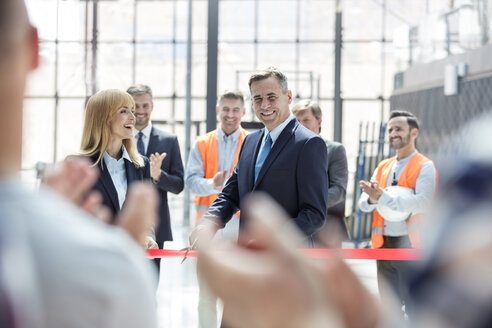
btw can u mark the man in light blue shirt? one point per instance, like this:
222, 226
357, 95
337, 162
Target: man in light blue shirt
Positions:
210, 163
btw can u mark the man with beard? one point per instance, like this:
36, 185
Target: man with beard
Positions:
412, 181
211, 162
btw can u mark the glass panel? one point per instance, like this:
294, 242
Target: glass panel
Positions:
282, 56
391, 67
318, 60
72, 20
38, 132
235, 66
155, 68
162, 109
155, 20
198, 109
233, 26
200, 20
277, 20
361, 70
317, 20
199, 70
361, 20
42, 81
355, 112
114, 66
71, 75
43, 15
115, 20
70, 124
327, 124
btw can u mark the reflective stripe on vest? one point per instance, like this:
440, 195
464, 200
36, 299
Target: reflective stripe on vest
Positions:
408, 179
208, 147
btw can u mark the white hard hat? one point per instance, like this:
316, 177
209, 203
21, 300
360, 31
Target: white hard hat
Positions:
392, 215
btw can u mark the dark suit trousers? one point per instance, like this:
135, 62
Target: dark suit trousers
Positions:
393, 275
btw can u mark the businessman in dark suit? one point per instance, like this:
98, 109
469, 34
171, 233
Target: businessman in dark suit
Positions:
309, 114
284, 160
162, 148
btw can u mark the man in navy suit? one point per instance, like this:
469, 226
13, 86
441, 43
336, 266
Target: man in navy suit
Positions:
160, 147
285, 160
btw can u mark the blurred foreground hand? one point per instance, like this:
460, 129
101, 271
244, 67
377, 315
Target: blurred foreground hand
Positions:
265, 282
73, 179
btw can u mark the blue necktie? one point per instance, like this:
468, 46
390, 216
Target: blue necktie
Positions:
140, 144
263, 155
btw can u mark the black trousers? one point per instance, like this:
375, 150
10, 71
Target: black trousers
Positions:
393, 276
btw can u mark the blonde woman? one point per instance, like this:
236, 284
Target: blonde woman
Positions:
107, 140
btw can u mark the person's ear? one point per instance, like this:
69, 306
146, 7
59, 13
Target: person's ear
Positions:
33, 48
414, 132
289, 94
217, 109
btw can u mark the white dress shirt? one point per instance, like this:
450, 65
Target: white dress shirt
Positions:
117, 171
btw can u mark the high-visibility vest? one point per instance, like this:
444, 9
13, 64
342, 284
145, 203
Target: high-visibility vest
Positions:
209, 149
408, 179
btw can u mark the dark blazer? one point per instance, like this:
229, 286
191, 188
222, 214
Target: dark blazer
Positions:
171, 180
293, 174
337, 182
105, 183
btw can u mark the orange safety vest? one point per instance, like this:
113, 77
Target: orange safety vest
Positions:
408, 179
208, 147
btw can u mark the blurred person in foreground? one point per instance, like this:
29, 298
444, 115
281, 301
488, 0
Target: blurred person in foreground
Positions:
400, 191
61, 267
270, 284
309, 114
107, 141
211, 161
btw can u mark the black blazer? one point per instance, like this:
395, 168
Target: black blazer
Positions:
105, 183
171, 180
294, 174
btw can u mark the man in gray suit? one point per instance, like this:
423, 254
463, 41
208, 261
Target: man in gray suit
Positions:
309, 114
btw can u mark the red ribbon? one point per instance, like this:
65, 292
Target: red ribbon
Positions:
401, 254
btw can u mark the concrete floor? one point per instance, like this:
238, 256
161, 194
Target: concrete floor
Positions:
177, 295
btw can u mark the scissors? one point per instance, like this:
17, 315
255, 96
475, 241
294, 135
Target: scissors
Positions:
187, 250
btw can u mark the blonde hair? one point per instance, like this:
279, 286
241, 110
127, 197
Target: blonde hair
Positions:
96, 134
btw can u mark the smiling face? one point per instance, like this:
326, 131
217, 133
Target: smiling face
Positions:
400, 135
122, 123
143, 108
271, 105
230, 112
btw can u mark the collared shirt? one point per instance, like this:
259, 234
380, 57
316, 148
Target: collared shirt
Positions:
92, 254
145, 137
195, 173
425, 187
117, 171
275, 133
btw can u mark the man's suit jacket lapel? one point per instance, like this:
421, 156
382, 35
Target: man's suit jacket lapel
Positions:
280, 143
251, 172
131, 172
107, 183
153, 142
